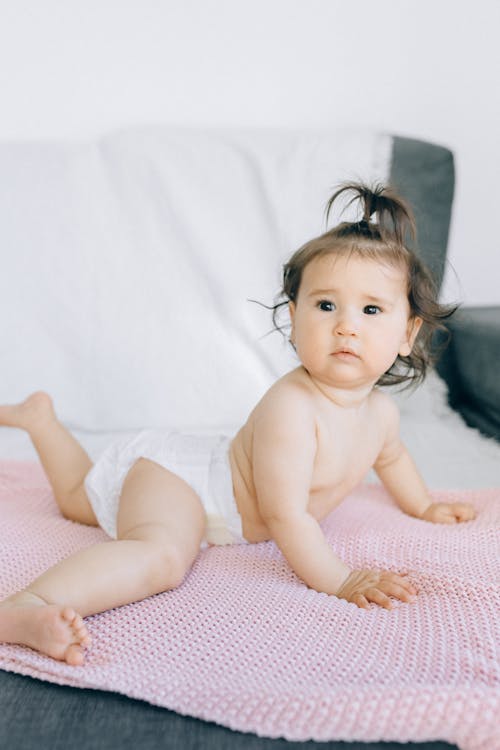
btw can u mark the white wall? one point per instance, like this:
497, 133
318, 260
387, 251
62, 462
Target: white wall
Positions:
422, 68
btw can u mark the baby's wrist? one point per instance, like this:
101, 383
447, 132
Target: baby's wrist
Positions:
345, 577
425, 510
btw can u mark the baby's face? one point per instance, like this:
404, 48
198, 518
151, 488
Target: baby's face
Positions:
351, 319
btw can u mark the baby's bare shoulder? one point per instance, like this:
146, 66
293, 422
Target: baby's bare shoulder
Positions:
287, 396
286, 406
384, 406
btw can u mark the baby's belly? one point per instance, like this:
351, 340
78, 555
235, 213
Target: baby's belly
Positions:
253, 525
322, 501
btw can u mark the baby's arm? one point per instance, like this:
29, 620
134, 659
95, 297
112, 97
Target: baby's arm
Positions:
284, 447
400, 476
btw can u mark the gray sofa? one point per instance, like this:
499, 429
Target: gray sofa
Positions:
470, 355
470, 365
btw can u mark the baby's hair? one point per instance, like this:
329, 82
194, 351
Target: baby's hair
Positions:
384, 239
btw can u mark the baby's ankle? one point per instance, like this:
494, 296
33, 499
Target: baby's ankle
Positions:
33, 414
25, 598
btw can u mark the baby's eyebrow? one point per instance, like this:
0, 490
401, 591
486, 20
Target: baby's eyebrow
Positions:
321, 291
381, 300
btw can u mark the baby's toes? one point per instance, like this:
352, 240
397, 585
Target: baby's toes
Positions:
80, 630
77, 622
68, 614
74, 655
78, 627
83, 636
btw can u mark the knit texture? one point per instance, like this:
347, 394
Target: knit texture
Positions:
244, 643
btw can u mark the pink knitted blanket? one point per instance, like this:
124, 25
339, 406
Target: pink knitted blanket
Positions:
244, 643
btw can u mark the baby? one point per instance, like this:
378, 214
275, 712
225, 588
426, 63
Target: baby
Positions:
362, 309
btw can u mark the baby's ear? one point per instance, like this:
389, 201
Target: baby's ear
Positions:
412, 329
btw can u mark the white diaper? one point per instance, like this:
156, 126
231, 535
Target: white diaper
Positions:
201, 460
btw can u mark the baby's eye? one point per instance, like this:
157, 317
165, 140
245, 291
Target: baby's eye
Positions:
372, 309
325, 305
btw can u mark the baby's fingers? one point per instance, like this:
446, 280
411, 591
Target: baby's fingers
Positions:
360, 601
390, 580
400, 592
463, 511
377, 596
397, 586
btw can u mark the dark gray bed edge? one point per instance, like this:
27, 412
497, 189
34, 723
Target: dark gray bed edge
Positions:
43, 715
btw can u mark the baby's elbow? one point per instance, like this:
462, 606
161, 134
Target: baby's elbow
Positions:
290, 529
389, 458
282, 507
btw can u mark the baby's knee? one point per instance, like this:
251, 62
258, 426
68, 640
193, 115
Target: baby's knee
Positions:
168, 568
165, 562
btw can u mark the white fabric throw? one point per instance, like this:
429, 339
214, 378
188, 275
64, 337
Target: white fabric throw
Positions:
127, 265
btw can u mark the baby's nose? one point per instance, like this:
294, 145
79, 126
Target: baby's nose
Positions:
346, 326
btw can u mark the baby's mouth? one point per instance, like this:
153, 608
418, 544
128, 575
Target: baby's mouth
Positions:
345, 354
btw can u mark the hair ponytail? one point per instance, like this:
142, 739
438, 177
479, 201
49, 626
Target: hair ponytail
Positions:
395, 220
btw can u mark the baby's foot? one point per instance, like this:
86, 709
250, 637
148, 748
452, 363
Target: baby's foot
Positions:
37, 407
52, 629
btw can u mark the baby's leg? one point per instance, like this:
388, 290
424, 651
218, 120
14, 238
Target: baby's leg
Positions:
161, 523
64, 460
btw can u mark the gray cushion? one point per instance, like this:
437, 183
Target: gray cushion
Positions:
424, 174
471, 365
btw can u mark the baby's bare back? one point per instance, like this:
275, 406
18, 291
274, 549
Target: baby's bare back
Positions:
335, 448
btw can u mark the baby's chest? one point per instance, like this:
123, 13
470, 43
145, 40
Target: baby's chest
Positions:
343, 457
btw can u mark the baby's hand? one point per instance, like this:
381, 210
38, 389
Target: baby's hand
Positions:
364, 586
449, 513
